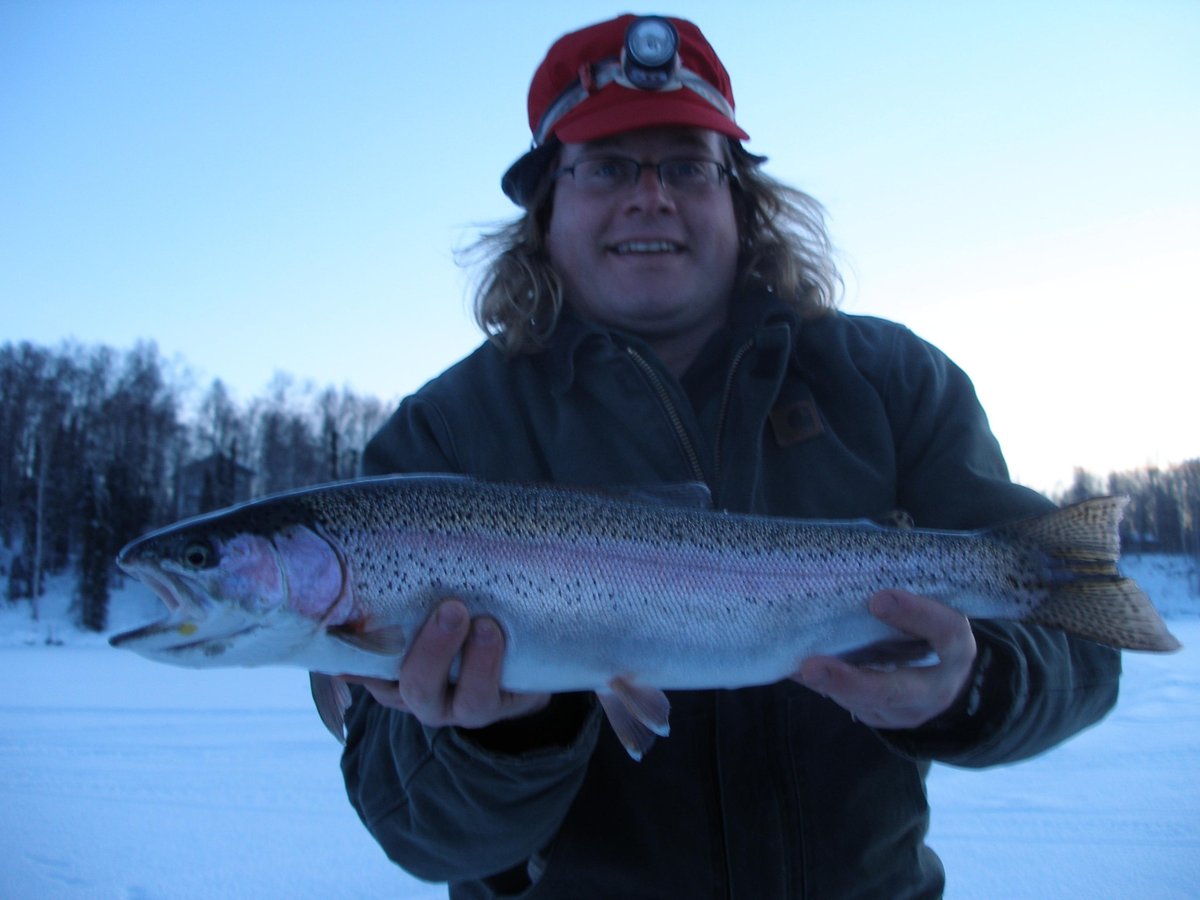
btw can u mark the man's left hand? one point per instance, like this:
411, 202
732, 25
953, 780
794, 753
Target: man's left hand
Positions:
906, 697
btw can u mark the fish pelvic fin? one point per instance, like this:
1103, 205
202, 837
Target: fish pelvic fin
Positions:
1091, 598
332, 697
637, 714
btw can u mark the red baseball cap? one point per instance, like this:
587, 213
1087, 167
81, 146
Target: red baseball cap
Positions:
627, 73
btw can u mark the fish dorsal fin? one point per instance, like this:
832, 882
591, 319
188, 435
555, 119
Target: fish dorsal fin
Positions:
691, 494
386, 640
688, 494
333, 699
895, 518
636, 713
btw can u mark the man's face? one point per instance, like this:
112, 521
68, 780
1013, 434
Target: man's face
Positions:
651, 260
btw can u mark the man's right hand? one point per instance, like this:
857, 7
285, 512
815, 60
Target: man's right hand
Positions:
423, 687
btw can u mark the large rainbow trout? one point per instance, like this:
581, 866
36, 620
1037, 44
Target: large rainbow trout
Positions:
617, 595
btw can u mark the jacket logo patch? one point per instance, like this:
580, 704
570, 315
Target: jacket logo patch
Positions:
796, 423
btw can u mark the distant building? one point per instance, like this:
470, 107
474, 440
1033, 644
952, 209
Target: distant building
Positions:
211, 483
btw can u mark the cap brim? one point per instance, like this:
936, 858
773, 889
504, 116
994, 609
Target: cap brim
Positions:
521, 180
611, 111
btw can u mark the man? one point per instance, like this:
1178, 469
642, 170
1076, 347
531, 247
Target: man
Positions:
662, 312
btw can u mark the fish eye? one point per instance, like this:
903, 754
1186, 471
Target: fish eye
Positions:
198, 555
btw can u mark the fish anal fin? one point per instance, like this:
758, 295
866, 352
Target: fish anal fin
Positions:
388, 640
637, 714
1110, 611
890, 653
332, 697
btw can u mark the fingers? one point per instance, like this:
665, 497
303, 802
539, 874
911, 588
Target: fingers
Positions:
943, 628
477, 696
424, 678
428, 687
906, 697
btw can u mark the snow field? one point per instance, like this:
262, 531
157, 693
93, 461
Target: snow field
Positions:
120, 778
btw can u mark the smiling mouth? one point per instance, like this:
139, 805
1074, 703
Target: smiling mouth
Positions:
635, 248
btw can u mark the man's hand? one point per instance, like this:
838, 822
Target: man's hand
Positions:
906, 697
423, 686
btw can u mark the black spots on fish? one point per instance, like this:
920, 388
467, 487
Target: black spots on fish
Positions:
754, 601
398, 576
1012, 581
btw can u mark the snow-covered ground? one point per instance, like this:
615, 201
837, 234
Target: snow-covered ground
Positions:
120, 778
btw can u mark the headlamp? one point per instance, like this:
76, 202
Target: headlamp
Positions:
650, 58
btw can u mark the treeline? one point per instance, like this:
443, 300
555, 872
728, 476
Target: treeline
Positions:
97, 446
1163, 515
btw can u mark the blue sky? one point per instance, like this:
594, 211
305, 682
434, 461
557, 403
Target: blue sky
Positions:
270, 186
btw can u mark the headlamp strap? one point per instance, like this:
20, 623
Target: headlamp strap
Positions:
586, 81
593, 78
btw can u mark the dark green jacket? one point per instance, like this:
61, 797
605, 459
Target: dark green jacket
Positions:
766, 792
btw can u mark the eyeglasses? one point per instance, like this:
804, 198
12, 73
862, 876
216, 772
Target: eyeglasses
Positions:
612, 174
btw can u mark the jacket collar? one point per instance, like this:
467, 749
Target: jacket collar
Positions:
751, 312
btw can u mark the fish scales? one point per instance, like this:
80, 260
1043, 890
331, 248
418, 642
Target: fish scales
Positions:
519, 556
596, 592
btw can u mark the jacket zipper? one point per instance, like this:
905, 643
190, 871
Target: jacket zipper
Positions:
726, 396
664, 397
693, 459
685, 439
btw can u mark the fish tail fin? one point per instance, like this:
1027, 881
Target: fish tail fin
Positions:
1090, 598
1115, 612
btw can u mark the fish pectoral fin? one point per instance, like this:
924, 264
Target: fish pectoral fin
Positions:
389, 640
636, 713
333, 699
890, 653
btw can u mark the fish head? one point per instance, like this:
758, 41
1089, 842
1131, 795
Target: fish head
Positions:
236, 593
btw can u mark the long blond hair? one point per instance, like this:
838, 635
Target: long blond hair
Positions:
785, 249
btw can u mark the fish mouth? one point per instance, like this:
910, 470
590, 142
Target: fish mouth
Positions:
191, 624
171, 591
178, 636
